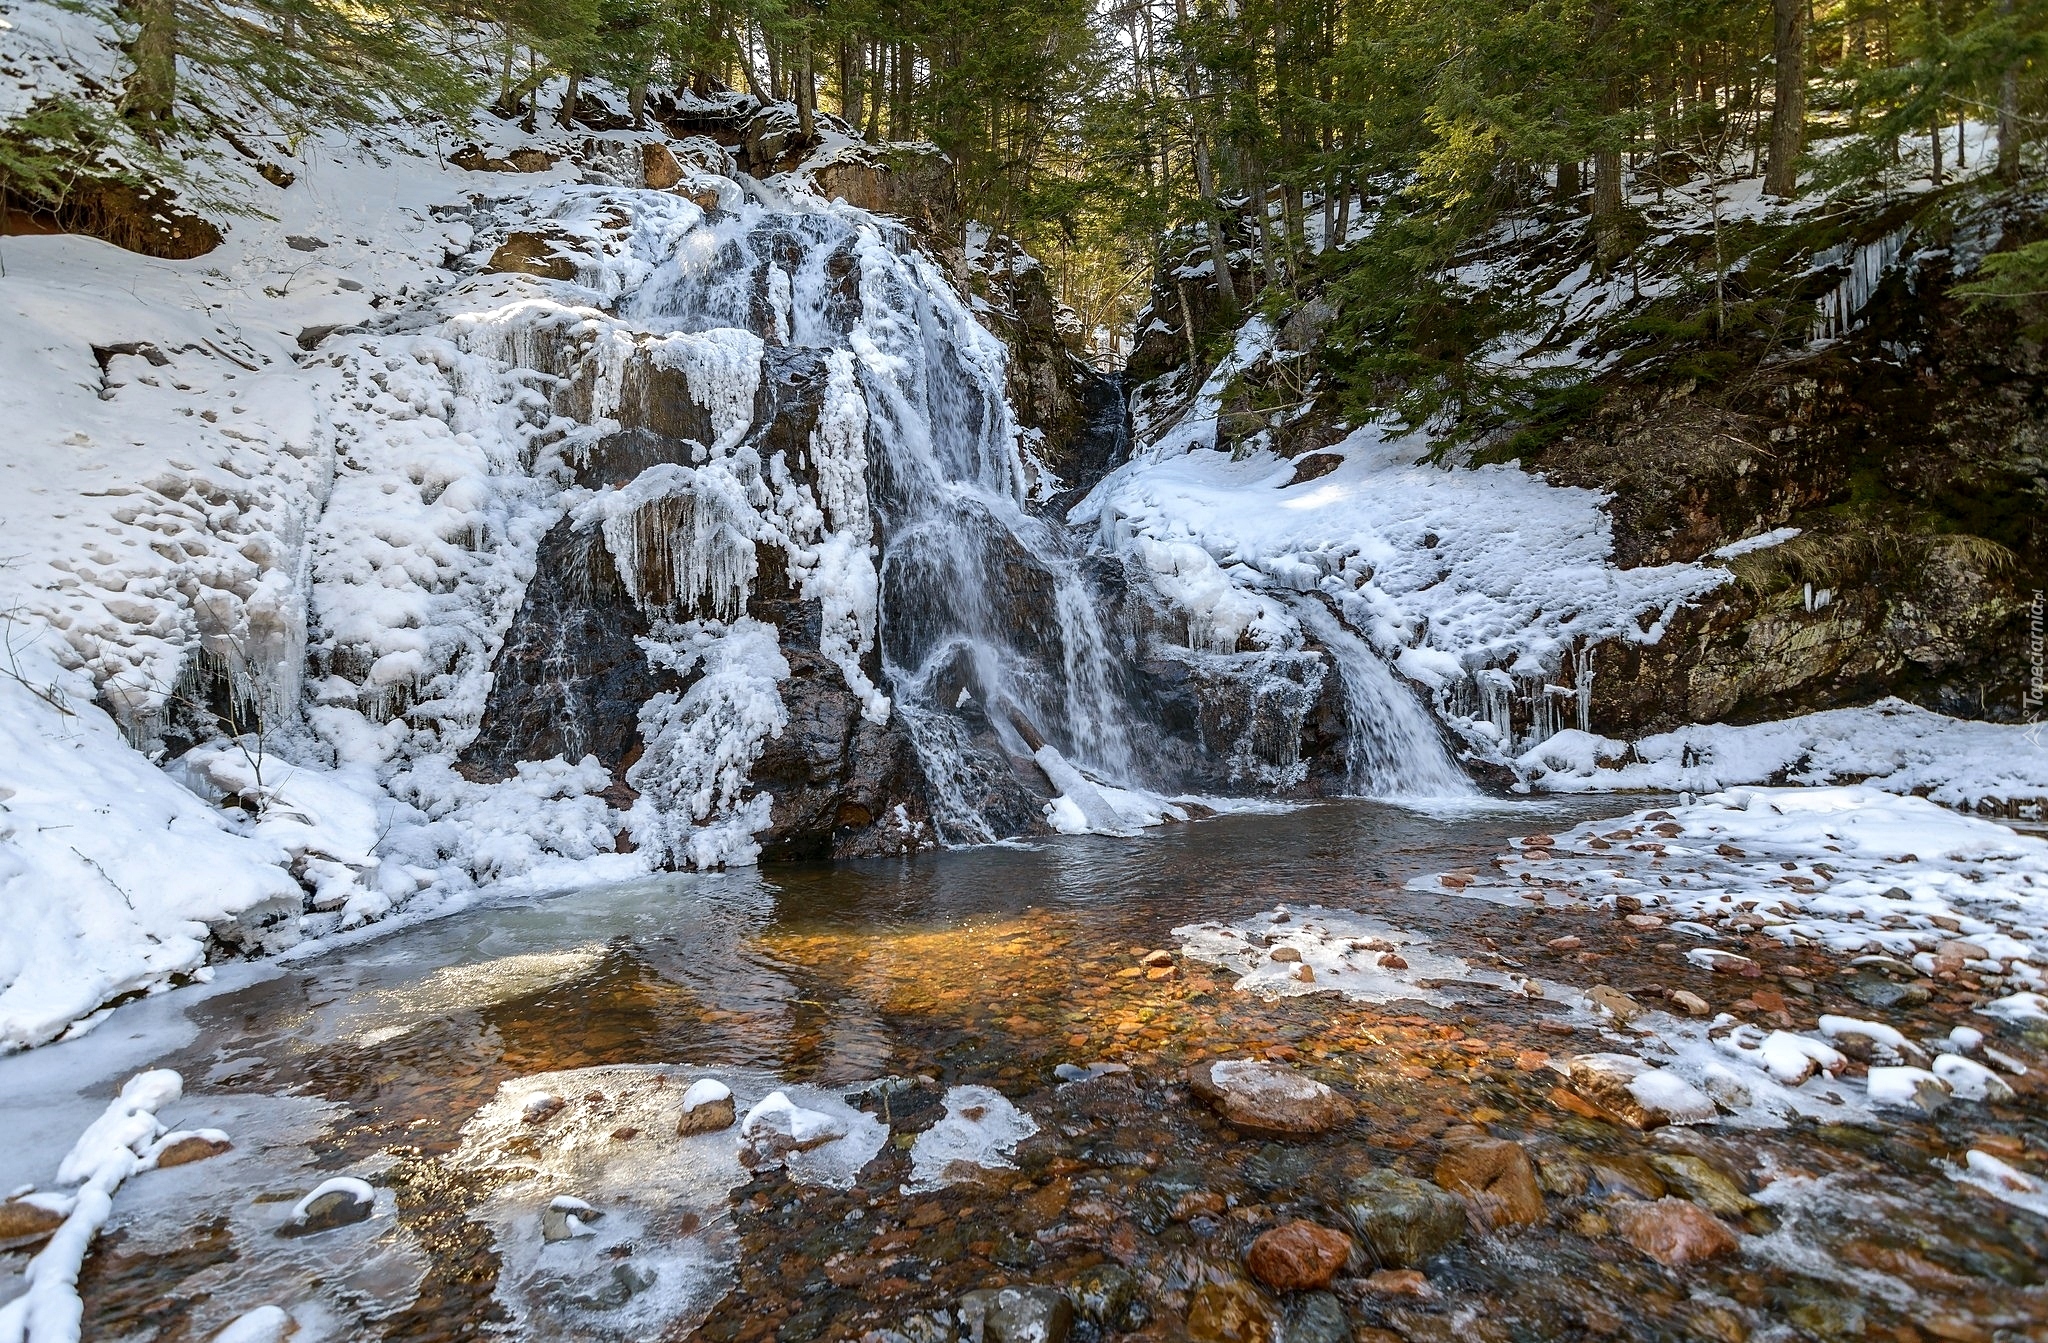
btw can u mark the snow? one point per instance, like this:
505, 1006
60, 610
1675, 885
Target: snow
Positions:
705, 1091
2002, 1181
110, 1150
265, 1324
1902, 1086
1344, 952
1891, 745
823, 1141
1762, 541
980, 1132
1851, 869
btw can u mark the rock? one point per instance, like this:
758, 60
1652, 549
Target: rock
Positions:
1107, 1297
23, 1222
1702, 1182
265, 1324
1637, 1093
625, 1283
1399, 1282
1229, 1312
1298, 1256
1565, 943
1316, 1317
1914, 1088
1284, 954
1675, 1233
184, 1149
658, 167
567, 1218
777, 1127
1614, 1003
1496, 1175
1016, 1315
1269, 1098
1404, 1220
338, 1202
1694, 1005
1156, 959
1875, 990
530, 252
540, 1109
1393, 961
707, 1108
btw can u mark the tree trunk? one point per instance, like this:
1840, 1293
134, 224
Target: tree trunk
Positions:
636, 103
2008, 115
806, 92
1568, 181
878, 93
152, 91
567, 116
1788, 111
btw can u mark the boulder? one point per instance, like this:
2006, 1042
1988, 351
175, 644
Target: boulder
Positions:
1229, 1312
1269, 1098
1675, 1233
777, 1127
707, 1108
1316, 1317
1106, 1296
1496, 1175
342, 1201
1404, 1220
25, 1221
567, 1218
531, 252
1637, 1093
658, 167
1298, 1256
183, 1149
1016, 1315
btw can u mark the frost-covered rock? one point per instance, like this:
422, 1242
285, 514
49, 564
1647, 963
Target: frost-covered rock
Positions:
980, 1132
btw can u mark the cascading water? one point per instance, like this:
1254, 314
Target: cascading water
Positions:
983, 607
1392, 746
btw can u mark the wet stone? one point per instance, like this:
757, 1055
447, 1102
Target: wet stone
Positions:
1495, 1174
1268, 1098
1107, 1296
1229, 1312
1316, 1317
1298, 1256
24, 1223
1702, 1182
1876, 990
188, 1149
1404, 1220
1016, 1315
621, 1285
1675, 1233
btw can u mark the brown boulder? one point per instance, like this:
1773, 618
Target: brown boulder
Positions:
1298, 1256
1269, 1098
658, 167
25, 1223
1674, 1232
531, 253
189, 1148
1229, 1312
1495, 1174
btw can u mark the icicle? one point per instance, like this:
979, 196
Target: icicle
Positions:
1841, 307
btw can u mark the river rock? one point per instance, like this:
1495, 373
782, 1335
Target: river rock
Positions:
342, 1201
1016, 1315
1229, 1312
777, 1127
567, 1218
1298, 1256
1106, 1296
1284, 954
23, 1222
187, 1148
1703, 1182
1404, 1220
1316, 1317
1496, 1175
1675, 1233
1269, 1098
1614, 1003
625, 1282
707, 1108
1637, 1093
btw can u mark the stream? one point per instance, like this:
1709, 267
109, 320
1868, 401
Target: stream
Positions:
477, 1067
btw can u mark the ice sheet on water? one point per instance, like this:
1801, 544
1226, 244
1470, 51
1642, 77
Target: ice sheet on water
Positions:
980, 1132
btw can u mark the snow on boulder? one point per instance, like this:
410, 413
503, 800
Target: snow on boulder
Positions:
1269, 1098
340, 1201
1970, 1080
1639, 1093
1907, 1088
827, 1146
707, 1108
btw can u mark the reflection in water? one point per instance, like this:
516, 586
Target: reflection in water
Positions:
990, 968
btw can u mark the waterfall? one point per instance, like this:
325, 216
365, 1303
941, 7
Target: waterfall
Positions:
1392, 747
985, 614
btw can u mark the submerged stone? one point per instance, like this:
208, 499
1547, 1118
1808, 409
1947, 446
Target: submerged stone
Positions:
1269, 1098
1404, 1220
1016, 1315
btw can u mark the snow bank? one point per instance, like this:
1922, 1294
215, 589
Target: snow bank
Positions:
1891, 745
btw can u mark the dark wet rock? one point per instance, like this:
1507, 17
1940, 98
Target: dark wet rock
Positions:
1269, 1098
1622, 1173
1495, 1174
1876, 990
625, 1282
1016, 1315
186, 1150
1561, 1174
1674, 1233
1107, 1296
335, 1208
25, 1223
1703, 1182
1298, 1256
1315, 1317
1404, 1220
1230, 1312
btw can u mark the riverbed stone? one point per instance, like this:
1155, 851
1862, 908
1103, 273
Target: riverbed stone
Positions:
1404, 1220
712, 1116
1495, 1174
24, 1223
191, 1147
1269, 1099
1016, 1315
1107, 1296
1229, 1312
1703, 1182
335, 1208
1298, 1256
1315, 1317
1675, 1233
1637, 1093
